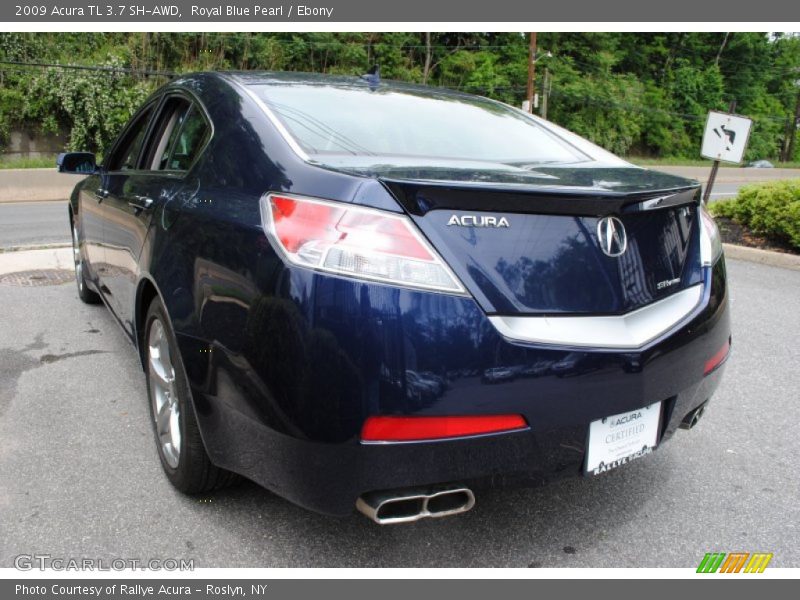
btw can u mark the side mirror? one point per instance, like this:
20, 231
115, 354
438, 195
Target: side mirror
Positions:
76, 162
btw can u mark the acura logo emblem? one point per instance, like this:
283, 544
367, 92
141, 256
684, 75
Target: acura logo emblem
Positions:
611, 236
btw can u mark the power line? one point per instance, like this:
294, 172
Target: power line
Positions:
21, 65
126, 70
521, 45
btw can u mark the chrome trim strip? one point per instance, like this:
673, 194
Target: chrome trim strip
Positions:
288, 138
669, 200
630, 331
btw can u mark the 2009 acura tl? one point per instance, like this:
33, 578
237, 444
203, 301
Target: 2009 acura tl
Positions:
375, 295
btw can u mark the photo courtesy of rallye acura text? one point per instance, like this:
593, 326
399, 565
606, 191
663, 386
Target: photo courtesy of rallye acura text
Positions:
369, 295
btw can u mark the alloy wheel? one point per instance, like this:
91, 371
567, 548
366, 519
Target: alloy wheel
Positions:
166, 408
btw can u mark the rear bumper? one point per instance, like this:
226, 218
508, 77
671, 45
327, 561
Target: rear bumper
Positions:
286, 413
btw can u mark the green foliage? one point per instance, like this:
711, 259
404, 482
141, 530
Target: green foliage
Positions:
92, 106
38, 162
640, 93
695, 91
662, 133
605, 120
770, 209
97, 105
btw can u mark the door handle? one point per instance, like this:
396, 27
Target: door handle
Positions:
141, 202
100, 193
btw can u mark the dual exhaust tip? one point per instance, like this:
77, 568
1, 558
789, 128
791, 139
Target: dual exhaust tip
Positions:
693, 417
407, 506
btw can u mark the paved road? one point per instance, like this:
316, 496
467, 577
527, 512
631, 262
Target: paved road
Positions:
79, 474
33, 223
724, 190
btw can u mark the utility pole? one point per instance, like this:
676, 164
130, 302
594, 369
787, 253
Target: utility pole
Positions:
715, 167
531, 71
545, 92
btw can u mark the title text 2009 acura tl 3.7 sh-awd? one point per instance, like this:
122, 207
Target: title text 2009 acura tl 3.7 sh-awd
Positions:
368, 294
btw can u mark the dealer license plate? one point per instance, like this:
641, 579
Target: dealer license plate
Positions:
619, 439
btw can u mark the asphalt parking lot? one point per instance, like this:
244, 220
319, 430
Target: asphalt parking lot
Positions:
79, 475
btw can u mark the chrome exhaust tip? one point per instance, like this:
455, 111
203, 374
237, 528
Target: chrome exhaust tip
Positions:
407, 506
693, 417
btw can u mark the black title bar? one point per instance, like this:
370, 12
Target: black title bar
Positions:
333, 11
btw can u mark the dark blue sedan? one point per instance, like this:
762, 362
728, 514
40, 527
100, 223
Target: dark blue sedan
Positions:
372, 295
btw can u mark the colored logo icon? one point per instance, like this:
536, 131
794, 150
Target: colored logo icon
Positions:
734, 562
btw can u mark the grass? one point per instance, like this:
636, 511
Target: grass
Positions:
698, 162
28, 163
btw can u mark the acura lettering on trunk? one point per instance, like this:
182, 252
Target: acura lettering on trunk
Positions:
478, 221
367, 295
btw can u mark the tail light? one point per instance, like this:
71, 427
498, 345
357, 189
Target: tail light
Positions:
710, 239
408, 429
355, 242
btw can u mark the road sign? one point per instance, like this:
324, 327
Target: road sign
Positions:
725, 137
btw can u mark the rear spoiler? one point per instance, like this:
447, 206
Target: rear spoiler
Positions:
420, 197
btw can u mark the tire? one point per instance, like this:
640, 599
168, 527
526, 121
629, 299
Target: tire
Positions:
180, 447
84, 293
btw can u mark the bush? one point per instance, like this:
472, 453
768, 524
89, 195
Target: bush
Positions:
94, 105
769, 209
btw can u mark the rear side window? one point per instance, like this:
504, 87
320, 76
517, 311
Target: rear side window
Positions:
126, 156
179, 136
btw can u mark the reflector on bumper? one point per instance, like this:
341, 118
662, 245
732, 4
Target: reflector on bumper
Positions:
719, 358
407, 429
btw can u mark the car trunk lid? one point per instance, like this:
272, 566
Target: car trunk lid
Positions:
523, 248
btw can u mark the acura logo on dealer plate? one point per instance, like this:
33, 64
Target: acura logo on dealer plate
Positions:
611, 236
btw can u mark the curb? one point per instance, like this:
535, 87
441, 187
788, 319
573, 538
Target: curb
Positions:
52, 246
36, 200
39, 259
762, 257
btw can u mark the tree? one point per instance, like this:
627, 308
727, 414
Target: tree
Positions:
645, 93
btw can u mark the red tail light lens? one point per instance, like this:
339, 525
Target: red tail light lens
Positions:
356, 242
716, 360
407, 429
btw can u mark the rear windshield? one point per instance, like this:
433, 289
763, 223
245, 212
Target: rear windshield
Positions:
354, 121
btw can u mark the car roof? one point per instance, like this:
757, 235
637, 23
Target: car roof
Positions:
288, 78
